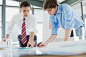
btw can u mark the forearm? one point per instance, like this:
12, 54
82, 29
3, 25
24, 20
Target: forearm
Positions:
52, 37
31, 36
67, 34
7, 36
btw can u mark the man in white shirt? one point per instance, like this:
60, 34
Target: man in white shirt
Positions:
27, 26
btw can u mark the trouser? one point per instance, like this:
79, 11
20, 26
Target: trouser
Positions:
72, 35
78, 32
25, 45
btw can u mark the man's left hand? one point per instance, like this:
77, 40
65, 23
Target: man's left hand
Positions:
32, 43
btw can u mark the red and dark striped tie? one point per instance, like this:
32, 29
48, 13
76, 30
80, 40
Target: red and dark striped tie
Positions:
23, 34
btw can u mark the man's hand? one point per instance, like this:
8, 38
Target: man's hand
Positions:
4, 40
7, 35
41, 45
32, 43
31, 40
52, 37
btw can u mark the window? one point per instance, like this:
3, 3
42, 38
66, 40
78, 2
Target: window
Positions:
12, 3
39, 34
0, 16
33, 6
0, 23
30, 11
10, 12
0, 2
0, 34
84, 13
84, 7
38, 14
77, 8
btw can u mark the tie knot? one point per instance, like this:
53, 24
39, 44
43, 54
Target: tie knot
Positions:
23, 18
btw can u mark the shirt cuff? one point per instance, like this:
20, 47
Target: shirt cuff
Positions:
9, 32
54, 32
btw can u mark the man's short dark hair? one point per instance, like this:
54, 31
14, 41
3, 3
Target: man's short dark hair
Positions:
50, 4
24, 4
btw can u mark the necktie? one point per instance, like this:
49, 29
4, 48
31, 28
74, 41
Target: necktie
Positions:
23, 34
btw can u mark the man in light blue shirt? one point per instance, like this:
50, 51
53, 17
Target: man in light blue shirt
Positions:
61, 14
66, 17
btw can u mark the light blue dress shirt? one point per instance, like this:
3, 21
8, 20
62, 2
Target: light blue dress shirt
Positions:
66, 17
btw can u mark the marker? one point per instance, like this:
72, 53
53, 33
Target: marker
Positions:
39, 43
29, 45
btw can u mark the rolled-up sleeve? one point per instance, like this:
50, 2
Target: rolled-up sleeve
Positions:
69, 18
54, 27
10, 26
33, 25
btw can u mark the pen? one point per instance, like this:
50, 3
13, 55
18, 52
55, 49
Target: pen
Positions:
39, 43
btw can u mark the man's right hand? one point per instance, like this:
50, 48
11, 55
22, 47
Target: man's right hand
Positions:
7, 35
4, 40
41, 44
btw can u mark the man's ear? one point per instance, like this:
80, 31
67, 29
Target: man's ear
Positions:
56, 6
20, 10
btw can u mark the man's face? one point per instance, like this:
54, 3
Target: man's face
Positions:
25, 11
52, 11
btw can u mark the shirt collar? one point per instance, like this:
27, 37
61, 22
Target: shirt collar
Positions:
59, 10
24, 17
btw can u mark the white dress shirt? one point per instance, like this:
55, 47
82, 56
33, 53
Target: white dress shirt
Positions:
30, 23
